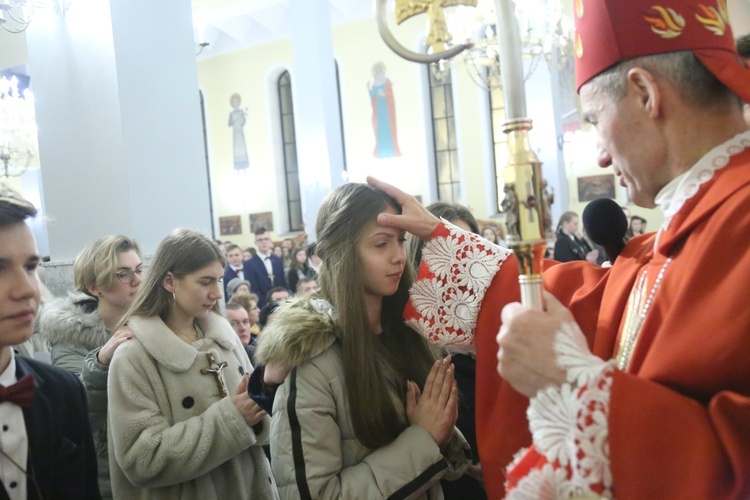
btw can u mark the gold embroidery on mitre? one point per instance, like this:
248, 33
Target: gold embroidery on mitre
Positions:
579, 8
715, 20
667, 23
579, 46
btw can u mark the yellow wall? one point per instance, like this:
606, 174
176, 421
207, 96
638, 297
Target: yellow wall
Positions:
247, 73
357, 46
581, 162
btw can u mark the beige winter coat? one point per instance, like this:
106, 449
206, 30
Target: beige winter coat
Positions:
314, 451
171, 435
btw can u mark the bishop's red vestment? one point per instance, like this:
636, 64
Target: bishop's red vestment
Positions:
674, 422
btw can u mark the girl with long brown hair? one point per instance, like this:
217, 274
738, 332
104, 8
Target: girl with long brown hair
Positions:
364, 410
181, 424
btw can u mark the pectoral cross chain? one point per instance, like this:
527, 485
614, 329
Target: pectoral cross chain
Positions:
215, 368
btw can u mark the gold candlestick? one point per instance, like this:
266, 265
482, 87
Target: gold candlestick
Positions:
526, 208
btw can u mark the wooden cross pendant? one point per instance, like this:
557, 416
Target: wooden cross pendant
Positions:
214, 368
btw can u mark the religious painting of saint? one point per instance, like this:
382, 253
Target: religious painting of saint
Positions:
230, 224
383, 114
596, 186
263, 219
237, 122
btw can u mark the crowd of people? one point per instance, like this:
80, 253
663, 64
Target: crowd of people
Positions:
392, 358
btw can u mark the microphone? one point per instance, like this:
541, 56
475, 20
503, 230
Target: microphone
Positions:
605, 223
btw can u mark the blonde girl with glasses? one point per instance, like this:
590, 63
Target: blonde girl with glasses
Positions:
108, 273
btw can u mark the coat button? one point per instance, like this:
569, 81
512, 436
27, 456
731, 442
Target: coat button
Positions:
188, 402
242, 370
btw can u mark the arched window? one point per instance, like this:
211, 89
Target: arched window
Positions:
444, 135
289, 145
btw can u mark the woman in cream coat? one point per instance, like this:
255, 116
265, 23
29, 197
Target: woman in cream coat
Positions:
181, 424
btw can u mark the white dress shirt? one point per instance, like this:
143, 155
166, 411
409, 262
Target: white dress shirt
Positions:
238, 270
266, 258
13, 440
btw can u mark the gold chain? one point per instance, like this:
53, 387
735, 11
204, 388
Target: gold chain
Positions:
190, 338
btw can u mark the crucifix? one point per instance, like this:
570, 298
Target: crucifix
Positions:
438, 34
215, 369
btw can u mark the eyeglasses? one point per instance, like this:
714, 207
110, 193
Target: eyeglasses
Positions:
235, 323
126, 275
265, 238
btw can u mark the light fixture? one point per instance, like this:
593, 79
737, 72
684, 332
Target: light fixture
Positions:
545, 33
18, 133
15, 15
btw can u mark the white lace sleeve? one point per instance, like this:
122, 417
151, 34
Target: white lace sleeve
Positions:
461, 266
569, 425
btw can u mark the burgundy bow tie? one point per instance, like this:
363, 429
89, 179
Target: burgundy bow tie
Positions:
20, 393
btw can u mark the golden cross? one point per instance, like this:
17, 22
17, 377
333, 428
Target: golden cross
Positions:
214, 369
438, 34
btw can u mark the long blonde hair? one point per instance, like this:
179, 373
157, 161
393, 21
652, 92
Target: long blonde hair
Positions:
375, 366
182, 252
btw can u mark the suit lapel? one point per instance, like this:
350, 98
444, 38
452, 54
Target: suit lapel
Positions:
262, 271
34, 419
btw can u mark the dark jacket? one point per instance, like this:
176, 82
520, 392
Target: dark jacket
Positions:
229, 275
294, 275
257, 275
61, 450
568, 249
75, 331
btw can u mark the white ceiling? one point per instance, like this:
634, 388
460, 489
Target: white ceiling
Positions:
229, 25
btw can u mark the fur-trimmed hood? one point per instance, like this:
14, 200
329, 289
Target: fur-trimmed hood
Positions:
299, 330
71, 320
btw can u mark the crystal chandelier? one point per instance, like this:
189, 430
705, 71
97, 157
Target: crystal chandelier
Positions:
545, 31
15, 15
18, 133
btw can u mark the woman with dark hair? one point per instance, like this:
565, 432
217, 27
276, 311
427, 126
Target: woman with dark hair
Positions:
181, 424
453, 213
298, 269
569, 246
365, 410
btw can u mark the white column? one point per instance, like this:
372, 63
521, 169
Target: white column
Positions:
316, 110
739, 14
120, 131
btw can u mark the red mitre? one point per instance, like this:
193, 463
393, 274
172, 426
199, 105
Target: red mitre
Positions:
610, 31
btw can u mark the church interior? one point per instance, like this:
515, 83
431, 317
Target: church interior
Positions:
228, 115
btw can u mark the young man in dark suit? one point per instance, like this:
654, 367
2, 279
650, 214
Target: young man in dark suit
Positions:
235, 267
46, 447
264, 270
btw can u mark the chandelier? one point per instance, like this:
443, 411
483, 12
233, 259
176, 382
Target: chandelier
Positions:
546, 34
18, 133
15, 15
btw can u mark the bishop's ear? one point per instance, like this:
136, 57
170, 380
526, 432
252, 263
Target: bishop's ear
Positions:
643, 87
